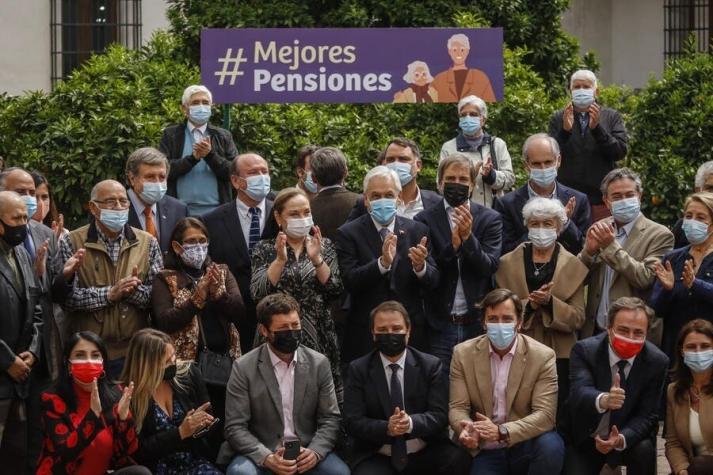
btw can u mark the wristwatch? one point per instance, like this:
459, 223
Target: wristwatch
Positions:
504, 434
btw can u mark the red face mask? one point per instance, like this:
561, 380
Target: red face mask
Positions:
85, 371
624, 347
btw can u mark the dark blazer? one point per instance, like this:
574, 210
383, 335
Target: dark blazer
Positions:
169, 211
358, 248
428, 197
155, 444
222, 153
590, 375
479, 257
514, 229
228, 246
367, 405
330, 209
22, 319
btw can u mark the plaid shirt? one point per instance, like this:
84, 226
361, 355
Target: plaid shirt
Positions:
95, 298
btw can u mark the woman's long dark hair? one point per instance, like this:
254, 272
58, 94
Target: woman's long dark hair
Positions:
108, 393
681, 374
173, 260
53, 214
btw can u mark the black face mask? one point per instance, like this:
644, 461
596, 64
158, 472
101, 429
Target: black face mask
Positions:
390, 344
455, 193
14, 235
169, 372
286, 341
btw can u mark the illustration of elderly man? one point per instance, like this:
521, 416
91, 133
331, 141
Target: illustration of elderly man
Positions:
419, 79
458, 81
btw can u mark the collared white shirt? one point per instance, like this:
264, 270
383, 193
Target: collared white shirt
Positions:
245, 218
285, 375
533, 194
139, 207
390, 227
198, 133
412, 208
330, 187
412, 445
460, 304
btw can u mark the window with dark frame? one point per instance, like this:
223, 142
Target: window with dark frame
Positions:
80, 28
683, 18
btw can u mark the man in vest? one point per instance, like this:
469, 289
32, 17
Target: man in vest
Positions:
108, 268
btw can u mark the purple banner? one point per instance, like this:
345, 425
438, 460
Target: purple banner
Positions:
352, 65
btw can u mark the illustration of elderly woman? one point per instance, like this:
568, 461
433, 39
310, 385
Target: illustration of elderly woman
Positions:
419, 80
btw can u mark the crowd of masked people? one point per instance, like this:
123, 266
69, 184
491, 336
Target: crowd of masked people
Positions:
199, 322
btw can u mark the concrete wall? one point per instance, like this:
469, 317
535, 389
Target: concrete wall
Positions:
153, 17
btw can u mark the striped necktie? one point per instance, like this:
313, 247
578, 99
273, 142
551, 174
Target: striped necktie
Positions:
254, 236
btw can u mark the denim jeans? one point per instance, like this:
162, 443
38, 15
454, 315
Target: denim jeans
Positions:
442, 342
330, 465
543, 455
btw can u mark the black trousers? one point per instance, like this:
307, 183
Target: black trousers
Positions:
586, 460
437, 458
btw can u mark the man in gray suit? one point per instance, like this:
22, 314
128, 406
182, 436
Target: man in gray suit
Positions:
281, 394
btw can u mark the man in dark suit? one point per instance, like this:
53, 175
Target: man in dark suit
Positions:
20, 332
396, 405
333, 202
383, 257
200, 155
237, 226
466, 239
616, 383
404, 157
151, 209
541, 155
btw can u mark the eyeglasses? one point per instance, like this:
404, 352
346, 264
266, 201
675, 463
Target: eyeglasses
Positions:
114, 203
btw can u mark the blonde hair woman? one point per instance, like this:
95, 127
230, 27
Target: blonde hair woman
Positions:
170, 406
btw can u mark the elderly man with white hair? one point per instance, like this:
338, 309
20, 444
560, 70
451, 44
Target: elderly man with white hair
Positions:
199, 154
550, 283
459, 81
592, 139
383, 257
489, 153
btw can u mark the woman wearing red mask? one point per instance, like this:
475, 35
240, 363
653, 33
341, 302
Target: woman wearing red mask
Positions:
87, 423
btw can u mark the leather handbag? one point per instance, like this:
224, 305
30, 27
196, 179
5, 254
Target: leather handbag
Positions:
215, 367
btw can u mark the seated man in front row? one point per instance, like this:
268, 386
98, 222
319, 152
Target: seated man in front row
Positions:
395, 405
279, 393
504, 395
616, 382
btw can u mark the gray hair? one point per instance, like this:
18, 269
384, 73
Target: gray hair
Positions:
554, 146
460, 38
620, 174
703, 172
583, 75
101, 184
145, 156
461, 159
542, 208
382, 171
195, 89
477, 102
329, 166
6, 173
411, 68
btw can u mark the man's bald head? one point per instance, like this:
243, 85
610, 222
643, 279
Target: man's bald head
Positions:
18, 180
245, 162
13, 211
106, 187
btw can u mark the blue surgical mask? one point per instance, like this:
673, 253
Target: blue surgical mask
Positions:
626, 210
543, 177
383, 210
698, 361
31, 203
310, 185
153, 192
258, 186
542, 238
501, 334
696, 231
583, 98
469, 125
403, 170
199, 114
114, 219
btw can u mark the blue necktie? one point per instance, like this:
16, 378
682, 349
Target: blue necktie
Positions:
399, 455
254, 235
383, 232
29, 245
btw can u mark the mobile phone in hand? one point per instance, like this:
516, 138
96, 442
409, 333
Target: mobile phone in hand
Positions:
292, 450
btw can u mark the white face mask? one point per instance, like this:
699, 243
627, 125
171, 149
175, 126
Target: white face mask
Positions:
299, 227
542, 238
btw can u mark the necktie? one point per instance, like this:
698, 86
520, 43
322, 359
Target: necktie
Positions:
616, 416
622, 375
383, 232
29, 245
150, 225
254, 235
399, 456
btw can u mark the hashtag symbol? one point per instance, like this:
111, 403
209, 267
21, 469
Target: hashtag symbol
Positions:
227, 61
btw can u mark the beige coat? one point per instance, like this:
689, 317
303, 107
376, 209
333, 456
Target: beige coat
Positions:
555, 327
531, 391
679, 450
476, 83
633, 265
